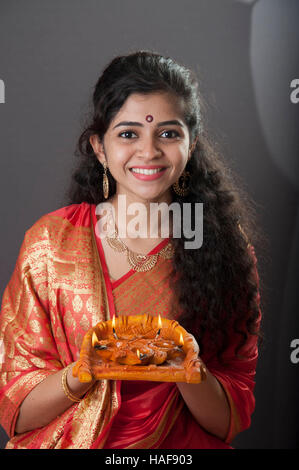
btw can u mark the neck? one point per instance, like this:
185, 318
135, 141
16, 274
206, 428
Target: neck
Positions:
141, 219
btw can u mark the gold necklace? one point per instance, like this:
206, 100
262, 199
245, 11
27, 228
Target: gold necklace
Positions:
138, 261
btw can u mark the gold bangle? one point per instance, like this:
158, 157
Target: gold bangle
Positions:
65, 386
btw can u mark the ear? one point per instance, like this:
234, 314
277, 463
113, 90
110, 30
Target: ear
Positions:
194, 144
192, 147
98, 148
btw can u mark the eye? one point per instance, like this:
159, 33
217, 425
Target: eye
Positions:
170, 134
127, 134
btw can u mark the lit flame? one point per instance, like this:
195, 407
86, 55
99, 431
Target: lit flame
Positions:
113, 321
159, 322
94, 339
181, 340
138, 353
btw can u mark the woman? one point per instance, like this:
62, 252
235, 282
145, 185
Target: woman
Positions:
145, 142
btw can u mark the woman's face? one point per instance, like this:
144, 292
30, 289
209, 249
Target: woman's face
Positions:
148, 133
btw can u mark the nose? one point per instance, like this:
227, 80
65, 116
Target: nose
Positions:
149, 148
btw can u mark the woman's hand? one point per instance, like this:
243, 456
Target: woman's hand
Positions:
192, 360
83, 367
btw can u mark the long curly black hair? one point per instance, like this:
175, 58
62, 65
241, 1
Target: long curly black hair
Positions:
215, 287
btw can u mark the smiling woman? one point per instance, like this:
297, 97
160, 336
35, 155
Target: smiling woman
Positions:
145, 142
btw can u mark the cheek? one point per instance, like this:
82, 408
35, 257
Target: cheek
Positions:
181, 156
118, 154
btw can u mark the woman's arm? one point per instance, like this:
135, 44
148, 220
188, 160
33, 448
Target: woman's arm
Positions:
224, 402
47, 401
208, 404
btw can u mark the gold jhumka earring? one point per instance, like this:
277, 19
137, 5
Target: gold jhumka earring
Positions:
105, 182
184, 189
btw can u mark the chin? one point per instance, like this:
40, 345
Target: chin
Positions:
148, 198
157, 195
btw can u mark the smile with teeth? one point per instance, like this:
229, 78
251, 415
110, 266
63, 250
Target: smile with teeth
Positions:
146, 171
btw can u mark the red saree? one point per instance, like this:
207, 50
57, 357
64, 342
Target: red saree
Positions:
59, 289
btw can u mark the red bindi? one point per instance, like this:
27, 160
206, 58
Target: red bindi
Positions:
149, 118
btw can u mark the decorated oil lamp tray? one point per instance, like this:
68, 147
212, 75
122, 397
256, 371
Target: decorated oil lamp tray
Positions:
139, 347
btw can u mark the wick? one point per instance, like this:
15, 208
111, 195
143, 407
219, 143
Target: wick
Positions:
114, 334
159, 330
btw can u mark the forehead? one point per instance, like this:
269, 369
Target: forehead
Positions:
161, 105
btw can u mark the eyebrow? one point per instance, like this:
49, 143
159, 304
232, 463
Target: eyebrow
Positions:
174, 122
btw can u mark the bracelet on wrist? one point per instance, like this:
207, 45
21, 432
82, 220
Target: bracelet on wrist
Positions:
64, 385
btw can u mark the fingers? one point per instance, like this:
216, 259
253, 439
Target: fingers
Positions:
82, 370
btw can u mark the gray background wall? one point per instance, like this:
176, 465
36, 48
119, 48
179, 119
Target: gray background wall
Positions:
245, 55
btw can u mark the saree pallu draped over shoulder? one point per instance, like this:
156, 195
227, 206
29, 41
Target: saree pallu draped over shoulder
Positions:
59, 289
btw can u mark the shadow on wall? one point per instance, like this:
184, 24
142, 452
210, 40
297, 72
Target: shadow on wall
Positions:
274, 52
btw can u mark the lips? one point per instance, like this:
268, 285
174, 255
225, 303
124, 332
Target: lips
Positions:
147, 167
148, 173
